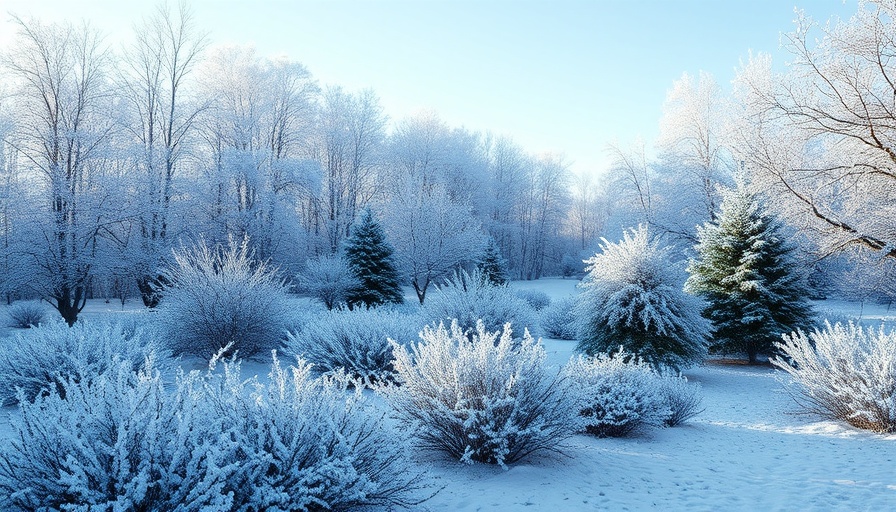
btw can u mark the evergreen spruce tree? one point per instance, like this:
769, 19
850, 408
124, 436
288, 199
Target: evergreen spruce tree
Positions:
370, 258
492, 266
746, 271
632, 298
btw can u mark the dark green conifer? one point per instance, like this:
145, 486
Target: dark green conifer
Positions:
493, 266
370, 258
746, 271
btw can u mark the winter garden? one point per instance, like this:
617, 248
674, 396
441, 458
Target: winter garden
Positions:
232, 289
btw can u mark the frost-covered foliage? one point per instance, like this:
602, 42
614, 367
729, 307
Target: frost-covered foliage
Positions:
356, 341
371, 260
844, 372
558, 321
24, 315
221, 296
41, 358
746, 271
537, 299
632, 298
469, 298
328, 279
303, 443
618, 394
492, 265
103, 445
487, 399
121, 441
682, 397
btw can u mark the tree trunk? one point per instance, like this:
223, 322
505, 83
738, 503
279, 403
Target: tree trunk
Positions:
151, 289
752, 353
421, 292
70, 302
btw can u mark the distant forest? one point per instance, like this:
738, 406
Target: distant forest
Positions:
110, 157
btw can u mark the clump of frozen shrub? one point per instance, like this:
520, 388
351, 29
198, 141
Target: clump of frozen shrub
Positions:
222, 296
485, 398
99, 441
844, 372
303, 443
328, 279
357, 341
537, 299
469, 297
24, 315
619, 395
121, 441
632, 297
42, 358
682, 397
558, 321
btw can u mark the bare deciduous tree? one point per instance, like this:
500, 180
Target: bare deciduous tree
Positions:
154, 75
823, 136
63, 106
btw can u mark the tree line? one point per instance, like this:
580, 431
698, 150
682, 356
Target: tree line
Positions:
113, 157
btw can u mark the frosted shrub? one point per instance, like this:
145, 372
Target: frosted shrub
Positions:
470, 298
41, 358
682, 397
303, 443
486, 398
105, 446
844, 372
632, 297
558, 321
354, 340
24, 315
219, 296
537, 299
328, 279
618, 395
120, 441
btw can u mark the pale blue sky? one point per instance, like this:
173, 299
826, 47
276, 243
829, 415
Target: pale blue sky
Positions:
565, 76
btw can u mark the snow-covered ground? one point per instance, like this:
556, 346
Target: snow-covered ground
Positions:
748, 450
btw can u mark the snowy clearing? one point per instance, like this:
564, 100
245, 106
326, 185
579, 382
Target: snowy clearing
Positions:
748, 450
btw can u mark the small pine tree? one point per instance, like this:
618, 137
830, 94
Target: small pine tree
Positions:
746, 271
493, 266
632, 298
370, 258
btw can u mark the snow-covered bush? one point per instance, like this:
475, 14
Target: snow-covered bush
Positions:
844, 372
488, 398
632, 297
537, 299
303, 443
618, 394
470, 298
219, 296
41, 358
121, 441
328, 279
558, 321
355, 340
24, 315
682, 397
103, 446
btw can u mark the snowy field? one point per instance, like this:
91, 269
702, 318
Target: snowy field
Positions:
748, 450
